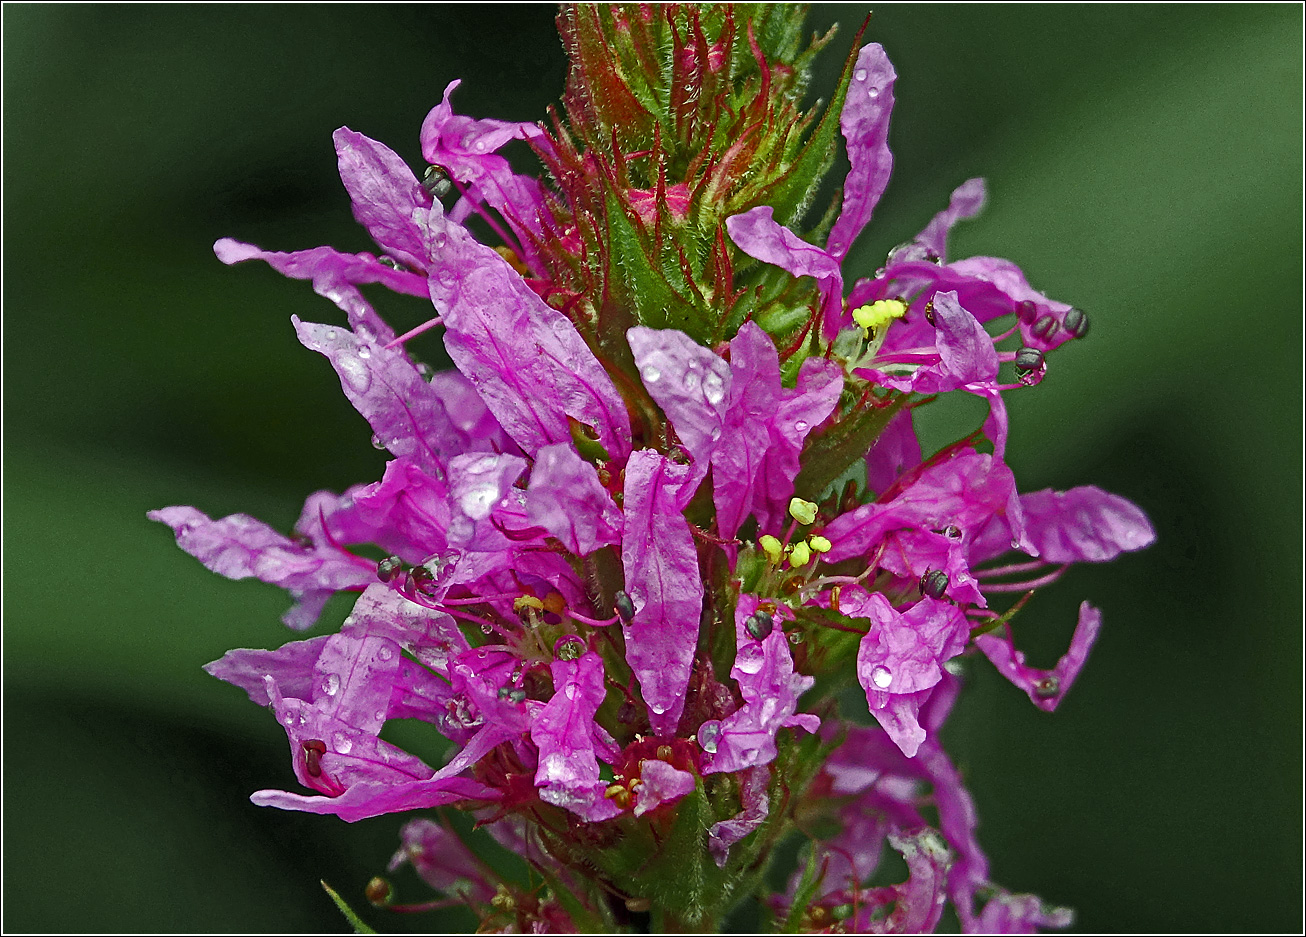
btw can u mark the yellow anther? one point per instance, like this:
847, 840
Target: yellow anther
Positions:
526, 601
771, 547
799, 555
819, 544
802, 511
879, 313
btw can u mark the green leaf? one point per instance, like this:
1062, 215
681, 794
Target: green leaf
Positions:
354, 920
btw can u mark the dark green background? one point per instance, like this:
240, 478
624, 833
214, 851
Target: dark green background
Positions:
1144, 163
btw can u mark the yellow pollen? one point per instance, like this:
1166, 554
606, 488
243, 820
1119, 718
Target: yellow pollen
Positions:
879, 313
802, 511
799, 555
771, 547
526, 601
820, 544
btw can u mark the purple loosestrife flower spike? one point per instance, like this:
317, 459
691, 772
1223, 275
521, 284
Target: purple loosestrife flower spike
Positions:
629, 555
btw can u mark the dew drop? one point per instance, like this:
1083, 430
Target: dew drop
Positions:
801, 426
479, 146
342, 743
691, 380
860, 74
364, 333
708, 734
439, 242
570, 691
650, 374
330, 684
873, 93
330, 335
355, 375
714, 389
379, 715
364, 352
486, 628
881, 677
385, 652
797, 637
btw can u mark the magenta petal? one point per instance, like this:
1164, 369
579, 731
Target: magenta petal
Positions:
967, 201
568, 772
660, 783
525, 358
753, 784
478, 484
765, 427
663, 580
759, 235
405, 513
432, 637
1084, 525
689, 382
290, 665
966, 351
1045, 688
1006, 913
405, 412
327, 268
764, 671
239, 547
896, 449
442, 860
566, 498
385, 194
917, 902
370, 799
865, 125
1011, 284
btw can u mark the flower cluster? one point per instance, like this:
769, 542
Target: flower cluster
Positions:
669, 504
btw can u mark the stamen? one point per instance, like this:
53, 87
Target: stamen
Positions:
413, 333
1031, 584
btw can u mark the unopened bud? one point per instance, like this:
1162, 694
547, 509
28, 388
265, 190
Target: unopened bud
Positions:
378, 892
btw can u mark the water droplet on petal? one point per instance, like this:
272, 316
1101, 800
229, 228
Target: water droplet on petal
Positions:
881, 677
708, 733
486, 628
379, 715
330, 684
691, 380
376, 442
801, 426
330, 335
570, 691
385, 652
714, 389
342, 743
364, 352
873, 93
651, 374
355, 374
860, 74
439, 242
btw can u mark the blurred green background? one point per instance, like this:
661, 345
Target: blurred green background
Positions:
1144, 163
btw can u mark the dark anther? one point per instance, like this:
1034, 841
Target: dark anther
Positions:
1046, 327
314, 749
1047, 688
1028, 359
934, 583
625, 607
389, 568
513, 694
929, 311
436, 181
1075, 322
1026, 311
759, 625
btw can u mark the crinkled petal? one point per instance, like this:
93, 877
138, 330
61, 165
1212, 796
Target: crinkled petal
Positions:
967, 201
525, 358
385, 195
660, 783
895, 451
369, 799
327, 268
917, 902
753, 784
290, 665
478, 484
1006, 913
566, 498
405, 513
865, 125
239, 546
442, 860
432, 637
1044, 687
764, 671
1084, 525
759, 235
563, 728
1010, 282
689, 382
406, 413
663, 580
